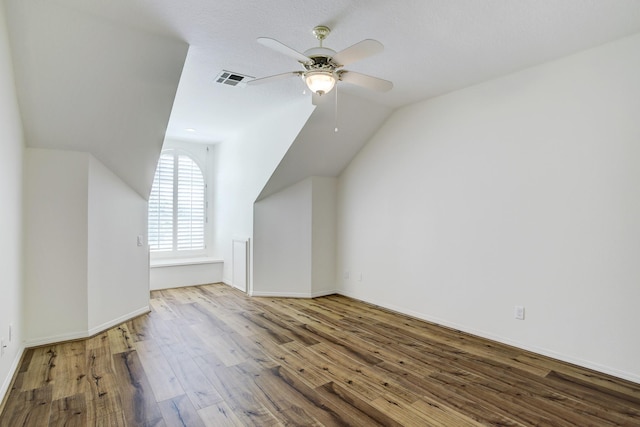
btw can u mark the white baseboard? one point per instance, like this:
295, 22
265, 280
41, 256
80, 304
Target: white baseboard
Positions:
110, 324
4, 389
35, 342
323, 293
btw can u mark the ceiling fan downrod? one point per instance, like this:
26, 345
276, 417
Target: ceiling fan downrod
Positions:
321, 32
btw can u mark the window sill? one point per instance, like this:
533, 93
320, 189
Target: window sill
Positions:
173, 262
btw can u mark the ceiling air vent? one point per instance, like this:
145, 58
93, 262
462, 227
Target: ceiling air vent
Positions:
232, 79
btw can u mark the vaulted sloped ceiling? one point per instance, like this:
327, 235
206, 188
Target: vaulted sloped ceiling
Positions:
320, 150
87, 84
101, 75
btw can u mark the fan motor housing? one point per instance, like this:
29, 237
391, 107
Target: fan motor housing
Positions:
321, 57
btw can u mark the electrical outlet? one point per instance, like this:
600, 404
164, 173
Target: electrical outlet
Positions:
10, 331
140, 240
518, 312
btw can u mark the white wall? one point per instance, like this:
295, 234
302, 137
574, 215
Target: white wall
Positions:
56, 209
84, 269
323, 244
519, 191
118, 269
191, 274
244, 165
282, 242
11, 224
294, 240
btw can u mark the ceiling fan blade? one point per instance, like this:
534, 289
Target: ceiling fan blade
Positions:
365, 81
358, 51
274, 78
284, 49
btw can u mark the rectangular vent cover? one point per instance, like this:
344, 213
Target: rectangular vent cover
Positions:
232, 79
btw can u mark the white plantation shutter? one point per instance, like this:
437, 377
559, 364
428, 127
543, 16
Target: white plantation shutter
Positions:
161, 206
190, 232
177, 205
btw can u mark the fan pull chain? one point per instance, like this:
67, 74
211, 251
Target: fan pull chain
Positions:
336, 110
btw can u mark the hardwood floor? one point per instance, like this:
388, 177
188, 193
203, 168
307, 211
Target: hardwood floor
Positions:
210, 356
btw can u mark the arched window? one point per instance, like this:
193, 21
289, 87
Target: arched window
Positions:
177, 206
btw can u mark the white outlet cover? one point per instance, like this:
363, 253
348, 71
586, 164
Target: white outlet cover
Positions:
518, 312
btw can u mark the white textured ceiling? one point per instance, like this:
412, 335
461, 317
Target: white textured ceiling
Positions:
431, 46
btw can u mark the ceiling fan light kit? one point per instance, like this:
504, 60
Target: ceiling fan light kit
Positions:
322, 64
320, 82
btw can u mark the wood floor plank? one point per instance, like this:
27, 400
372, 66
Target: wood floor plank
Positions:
613, 386
359, 376
239, 324
234, 386
253, 350
71, 411
112, 419
27, 408
276, 333
287, 403
342, 341
163, 381
26, 360
216, 343
443, 414
405, 414
435, 392
179, 412
191, 312
101, 379
291, 356
330, 404
41, 368
295, 328
211, 356
139, 329
219, 415
99, 341
104, 397
162, 309
70, 371
198, 388
120, 340
138, 401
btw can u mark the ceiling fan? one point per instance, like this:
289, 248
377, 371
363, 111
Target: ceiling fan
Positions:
323, 66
